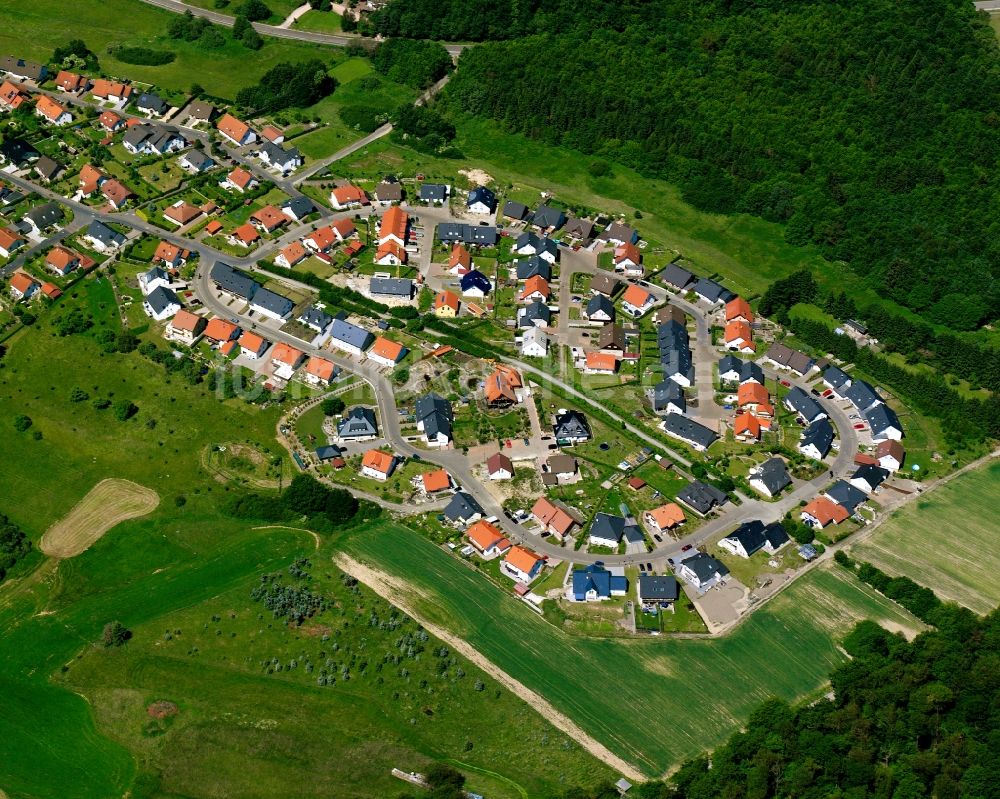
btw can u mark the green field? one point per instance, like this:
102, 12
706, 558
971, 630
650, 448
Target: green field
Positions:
75, 720
946, 541
654, 702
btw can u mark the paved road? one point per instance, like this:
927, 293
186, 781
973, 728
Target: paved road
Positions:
334, 39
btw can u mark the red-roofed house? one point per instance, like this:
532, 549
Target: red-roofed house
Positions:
185, 328
343, 229
822, 511
321, 239
390, 254
319, 371
49, 109
70, 81
739, 337
536, 287
636, 301
272, 134
344, 197
291, 255
460, 260
109, 91
393, 226
487, 539
219, 331
268, 219
237, 132
438, 480
244, 236
552, 518
522, 564
10, 241
22, 286
664, 518
499, 467
170, 254
115, 193
628, 259
11, 96
386, 352
111, 121
62, 261
90, 179
253, 346
286, 359
446, 305
600, 363
239, 179
377, 465
738, 310
182, 213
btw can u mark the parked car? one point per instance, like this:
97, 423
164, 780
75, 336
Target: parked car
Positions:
786, 384
686, 547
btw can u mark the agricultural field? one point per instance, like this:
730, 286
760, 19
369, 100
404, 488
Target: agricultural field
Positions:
946, 541
109, 503
669, 708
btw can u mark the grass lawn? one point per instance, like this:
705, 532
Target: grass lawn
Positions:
946, 540
34, 29
679, 697
320, 21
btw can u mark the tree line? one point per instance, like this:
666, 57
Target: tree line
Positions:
870, 132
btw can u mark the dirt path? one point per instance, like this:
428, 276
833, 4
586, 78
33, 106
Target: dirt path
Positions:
315, 536
396, 591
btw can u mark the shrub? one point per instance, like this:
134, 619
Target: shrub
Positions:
142, 56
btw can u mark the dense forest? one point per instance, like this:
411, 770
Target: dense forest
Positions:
869, 128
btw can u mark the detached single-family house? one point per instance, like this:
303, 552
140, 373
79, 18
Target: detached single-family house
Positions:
605, 284
17, 152
358, 425
533, 266
235, 131
25, 70
499, 467
195, 161
664, 518
600, 363
153, 279
377, 465
571, 428
316, 318
823, 511
348, 196
319, 371
10, 241
47, 169
535, 314
23, 286
805, 406
291, 255
285, 358
475, 284
253, 346
446, 305
546, 217
161, 303
386, 352
170, 255
393, 227
628, 260
535, 288
753, 397
618, 233
298, 208
398, 288
109, 91
488, 540
280, 159
816, 439
481, 200
221, 331
182, 213
701, 497
532, 244
515, 210
11, 96
846, 495
534, 343
600, 309
738, 337
435, 193
702, 571
595, 583
102, 238
753, 536
770, 478
240, 180
522, 564
581, 229
710, 291
890, 455
350, 338
884, 424
868, 478
434, 417
435, 481
658, 589
116, 193
668, 397
463, 509
185, 328
389, 191
71, 82
50, 110
62, 261
636, 301
552, 518
111, 121
738, 310
695, 435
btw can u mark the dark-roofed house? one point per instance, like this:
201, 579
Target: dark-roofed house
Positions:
358, 425
770, 478
530, 244
836, 379
161, 303
232, 282
668, 397
475, 284
577, 228
709, 291
280, 159
102, 238
274, 306
571, 428
619, 233
862, 395
26, 70
546, 217
702, 571
532, 267
298, 208
611, 338
17, 152
594, 583
701, 497
816, 439
805, 406
42, 217
753, 536
868, 478
399, 288
697, 436
434, 417
784, 357
150, 103
535, 314
481, 200
846, 495
884, 424
350, 338
659, 588
463, 509
433, 192
606, 530
315, 319
47, 169
676, 276
890, 455
515, 210
605, 284
389, 191
600, 309
196, 161
479, 235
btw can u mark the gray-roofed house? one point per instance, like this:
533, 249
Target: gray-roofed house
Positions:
676, 276
315, 319
389, 191
200, 111
702, 571
42, 217
102, 238
884, 424
515, 210
836, 379
605, 284
595, 582
150, 140
481, 200
278, 158
668, 397
399, 288
862, 395
619, 233
150, 103
274, 306
231, 281
785, 357
47, 168
546, 217
846, 495
20, 68
434, 417
531, 244
695, 435
868, 478
433, 192
196, 161
676, 364
735, 370
611, 338
350, 338
532, 266
577, 228
753, 536
600, 309
463, 509
358, 425
805, 406
816, 439
571, 428
161, 303
536, 314
479, 235
658, 588
708, 290
17, 152
606, 530
298, 208
701, 497
770, 478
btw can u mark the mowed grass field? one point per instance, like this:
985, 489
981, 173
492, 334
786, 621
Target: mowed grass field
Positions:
654, 702
946, 541
110, 502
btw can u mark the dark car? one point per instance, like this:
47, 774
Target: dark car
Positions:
649, 567
642, 568
670, 561
686, 547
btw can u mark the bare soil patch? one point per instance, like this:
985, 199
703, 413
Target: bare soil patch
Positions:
162, 709
477, 176
395, 591
107, 504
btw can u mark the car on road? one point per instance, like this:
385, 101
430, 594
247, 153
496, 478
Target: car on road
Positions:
859, 426
828, 393
670, 561
657, 537
527, 442
686, 547
786, 384
509, 443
